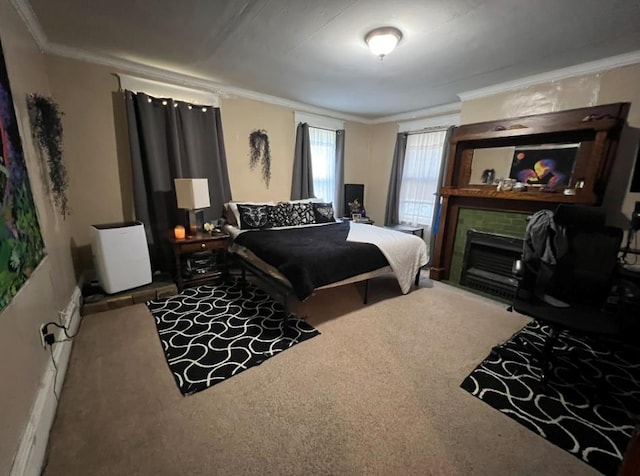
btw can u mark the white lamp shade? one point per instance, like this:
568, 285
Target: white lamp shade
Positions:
192, 193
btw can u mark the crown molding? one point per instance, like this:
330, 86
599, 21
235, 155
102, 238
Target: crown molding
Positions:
163, 90
127, 66
318, 121
451, 108
590, 67
28, 16
184, 80
295, 105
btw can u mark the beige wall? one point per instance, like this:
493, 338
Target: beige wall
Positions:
239, 118
84, 93
22, 359
559, 95
381, 146
623, 85
617, 85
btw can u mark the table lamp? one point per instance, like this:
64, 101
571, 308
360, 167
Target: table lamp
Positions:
192, 194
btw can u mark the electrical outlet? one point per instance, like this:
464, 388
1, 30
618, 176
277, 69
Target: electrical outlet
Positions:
63, 317
42, 334
46, 337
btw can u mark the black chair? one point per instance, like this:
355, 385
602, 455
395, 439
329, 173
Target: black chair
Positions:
570, 295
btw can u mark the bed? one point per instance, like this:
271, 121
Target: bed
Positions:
297, 257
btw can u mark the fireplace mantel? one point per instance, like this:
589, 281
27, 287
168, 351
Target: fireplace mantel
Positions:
596, 129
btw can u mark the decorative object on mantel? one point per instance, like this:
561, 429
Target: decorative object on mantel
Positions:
46, 124
488, 176
21, 245
509, 128
259, 151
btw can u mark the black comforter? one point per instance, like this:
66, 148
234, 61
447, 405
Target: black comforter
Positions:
312, 257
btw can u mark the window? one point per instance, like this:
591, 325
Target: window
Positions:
420, 177
323, 163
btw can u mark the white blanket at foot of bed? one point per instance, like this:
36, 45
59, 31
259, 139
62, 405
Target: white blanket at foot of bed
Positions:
405, 253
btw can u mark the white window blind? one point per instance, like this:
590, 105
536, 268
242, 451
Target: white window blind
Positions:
420, 177
323, 163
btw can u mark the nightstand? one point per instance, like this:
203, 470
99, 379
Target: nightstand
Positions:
200, 258
414, 230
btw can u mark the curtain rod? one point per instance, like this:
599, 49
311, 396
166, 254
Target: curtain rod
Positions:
428, 129
324, 128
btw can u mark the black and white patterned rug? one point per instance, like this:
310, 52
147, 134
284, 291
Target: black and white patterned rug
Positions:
592, 400
213, 332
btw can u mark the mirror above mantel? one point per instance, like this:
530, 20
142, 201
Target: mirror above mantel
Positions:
567, 157
549, 165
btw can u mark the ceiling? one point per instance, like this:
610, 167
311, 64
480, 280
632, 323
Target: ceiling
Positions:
313, 51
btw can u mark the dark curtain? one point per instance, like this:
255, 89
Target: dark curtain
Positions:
435, 222
391, 213
302, 180
338, 207
172, 139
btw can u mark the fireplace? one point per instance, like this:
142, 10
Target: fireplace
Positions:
488, 262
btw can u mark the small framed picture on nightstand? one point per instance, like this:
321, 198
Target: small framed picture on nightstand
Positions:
356, 216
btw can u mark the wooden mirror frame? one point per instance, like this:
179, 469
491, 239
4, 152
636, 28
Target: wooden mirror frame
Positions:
597, 129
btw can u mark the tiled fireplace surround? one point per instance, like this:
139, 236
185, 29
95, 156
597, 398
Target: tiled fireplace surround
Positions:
502, 223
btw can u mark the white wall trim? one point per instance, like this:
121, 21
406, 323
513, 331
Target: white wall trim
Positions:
23, 7
450, 108
314, 120
165, 90
429, 123
591, 67
171, 77
31, 452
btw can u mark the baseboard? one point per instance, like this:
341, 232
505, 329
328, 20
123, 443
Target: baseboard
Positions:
30, 456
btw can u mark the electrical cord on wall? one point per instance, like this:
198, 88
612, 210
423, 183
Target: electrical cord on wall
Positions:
65, 329
50, 340
55, 375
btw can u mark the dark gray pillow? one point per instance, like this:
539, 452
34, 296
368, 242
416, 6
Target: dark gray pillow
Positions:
301, 214
255, 216
280, 214
323, 212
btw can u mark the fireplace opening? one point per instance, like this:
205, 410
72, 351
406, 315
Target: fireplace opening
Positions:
488, 262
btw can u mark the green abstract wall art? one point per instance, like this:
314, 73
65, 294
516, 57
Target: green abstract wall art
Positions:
21, 245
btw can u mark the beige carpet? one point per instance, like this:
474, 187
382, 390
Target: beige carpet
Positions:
376, 393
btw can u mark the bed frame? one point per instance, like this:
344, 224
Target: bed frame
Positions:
274, 286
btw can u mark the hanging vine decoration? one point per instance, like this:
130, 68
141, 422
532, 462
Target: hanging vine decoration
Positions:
259, 151
46, 124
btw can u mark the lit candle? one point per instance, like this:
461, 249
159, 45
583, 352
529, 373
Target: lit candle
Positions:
179, 232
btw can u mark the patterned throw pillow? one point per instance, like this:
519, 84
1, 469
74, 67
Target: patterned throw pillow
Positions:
323, 212
231, 213
255, 216
280, 214
301, 214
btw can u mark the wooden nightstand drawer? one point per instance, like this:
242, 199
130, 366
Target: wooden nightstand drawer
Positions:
192, 267
203, 246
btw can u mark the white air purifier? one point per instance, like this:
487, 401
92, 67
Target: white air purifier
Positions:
120, 255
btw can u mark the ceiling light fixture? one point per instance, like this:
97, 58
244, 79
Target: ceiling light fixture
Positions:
382, 41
